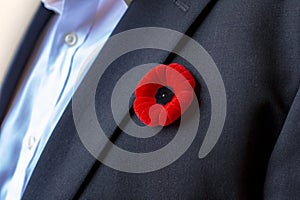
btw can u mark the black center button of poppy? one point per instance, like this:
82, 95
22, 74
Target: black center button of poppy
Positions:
164, 95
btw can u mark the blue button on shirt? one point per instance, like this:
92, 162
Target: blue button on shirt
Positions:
66, 51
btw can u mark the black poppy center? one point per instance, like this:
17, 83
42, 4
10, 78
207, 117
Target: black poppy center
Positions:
164, 95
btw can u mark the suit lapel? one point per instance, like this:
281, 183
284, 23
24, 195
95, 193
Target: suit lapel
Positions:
23, 54
65, 166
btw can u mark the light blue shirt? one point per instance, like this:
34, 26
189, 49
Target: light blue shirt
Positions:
67, 49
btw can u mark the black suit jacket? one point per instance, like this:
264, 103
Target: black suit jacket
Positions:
256, 46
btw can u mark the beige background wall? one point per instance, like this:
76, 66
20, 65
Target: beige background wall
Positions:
15, 15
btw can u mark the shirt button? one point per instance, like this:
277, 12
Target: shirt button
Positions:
71, 39
30, 142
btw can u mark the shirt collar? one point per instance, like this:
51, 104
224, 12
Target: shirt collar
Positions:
55, 5
58, 5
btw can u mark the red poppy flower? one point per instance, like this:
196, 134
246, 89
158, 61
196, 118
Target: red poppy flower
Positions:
164, 94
